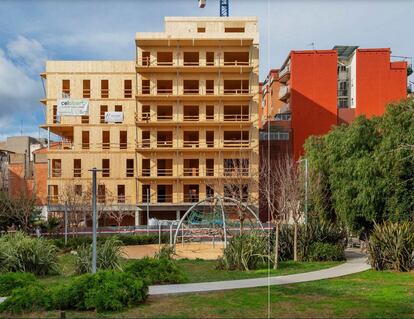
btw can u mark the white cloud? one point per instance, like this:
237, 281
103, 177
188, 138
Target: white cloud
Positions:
27, 53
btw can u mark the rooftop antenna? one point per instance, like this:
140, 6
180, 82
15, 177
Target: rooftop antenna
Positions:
312, 44
224, 7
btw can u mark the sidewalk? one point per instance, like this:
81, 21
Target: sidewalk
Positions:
356, 262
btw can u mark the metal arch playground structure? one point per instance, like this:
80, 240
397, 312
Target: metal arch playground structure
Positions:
212, 220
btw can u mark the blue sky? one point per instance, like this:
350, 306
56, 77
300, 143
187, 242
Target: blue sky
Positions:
33, 31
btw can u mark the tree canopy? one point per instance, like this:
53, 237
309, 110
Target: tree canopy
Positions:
364, 172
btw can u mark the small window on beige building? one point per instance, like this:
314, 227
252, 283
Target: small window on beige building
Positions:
145, 87
86, 89
234, 30
106, 140
106, 168
209, 86
146, 58
104, 89
210, 58
121, 193
123, 140
201, 29
130, 167
104, 108
85, 140
77, 167
101, 194
146, 167
127, 89
209, 112
65, 88
56, 168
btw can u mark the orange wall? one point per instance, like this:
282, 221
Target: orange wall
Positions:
313, 83
378, 81
40, 180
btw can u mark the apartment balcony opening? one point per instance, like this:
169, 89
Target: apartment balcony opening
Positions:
103, 110
209, 112
53, 194
145, 86
56, 168
101, 194
191, 86
210, 58
164, 167
146, 139
210, 167
236, 58
237, 191
236, 113
210, 138
164, 58
104, 89
191, 139
146, 167
191, 167
164, 193
191, 113
55, 117
236, 167
146, 193
78, 190
209, 86
85, 140
164, 139
130, 167
77, 167
164, 112
106, 140
123, 140
236, 86
66, 89
146, 113
191, 193
86, 93
146, 58
106, 168
209, 191
236, 139
191, 58
164, 86
127, 89
121, 194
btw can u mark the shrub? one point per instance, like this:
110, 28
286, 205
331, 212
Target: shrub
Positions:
103, 291
22, 253
325, 252
244, 252
108, 256
156, 271
166, 252
14, 280
391, 246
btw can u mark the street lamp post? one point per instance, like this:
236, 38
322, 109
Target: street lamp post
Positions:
305, 217
94, 170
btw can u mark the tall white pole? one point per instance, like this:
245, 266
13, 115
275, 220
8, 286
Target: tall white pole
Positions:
94, 220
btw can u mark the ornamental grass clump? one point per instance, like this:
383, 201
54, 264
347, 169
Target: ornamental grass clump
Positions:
391, 246
22, 253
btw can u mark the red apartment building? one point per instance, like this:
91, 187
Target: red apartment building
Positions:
317, 89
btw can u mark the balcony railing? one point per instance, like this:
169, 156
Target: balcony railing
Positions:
193, 198
104, 93
56, 172
164, 91
127, 93
164, 143
164, 117
145, 172
236, 143
145, 116
77, 172
164, 172
210, 91
162, 198
210, 143
193, 144
236, 63
53, 199
236, 91
191, 63
236, 117
129, 172
209, 171
236, 171
285, 70
86, 93
191, 117
191, 91
146, 89
191, 171
106, 172
284, 91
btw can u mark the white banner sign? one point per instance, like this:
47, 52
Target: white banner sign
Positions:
70, 107
114, 117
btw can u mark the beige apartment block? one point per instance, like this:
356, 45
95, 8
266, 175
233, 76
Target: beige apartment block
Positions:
190, 106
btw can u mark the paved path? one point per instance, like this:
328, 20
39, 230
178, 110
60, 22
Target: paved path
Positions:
355, 263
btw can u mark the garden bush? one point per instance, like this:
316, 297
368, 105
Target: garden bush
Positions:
103, 291
22, 253
14, 280
108, 256
325, 252
245, 252
391, 246
156, 271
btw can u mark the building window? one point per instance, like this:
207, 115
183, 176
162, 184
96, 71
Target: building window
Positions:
123, 140
101, 194
85, 140
104, 89
55, 116
209, 58
106, 140
201, 29
146, 167
121, 193
283, 117
53, 194
146, 58
86, 89
104, 108
274, 136
65, 89
209, 112
56, 168
106, 169
209, 86
78, 190
145, 87
77, 167
234, 30
127, 89
209, 191
342, 102
130, 167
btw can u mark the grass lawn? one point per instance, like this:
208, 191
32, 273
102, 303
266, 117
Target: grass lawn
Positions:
366, 295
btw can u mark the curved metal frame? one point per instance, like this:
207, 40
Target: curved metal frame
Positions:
221, 200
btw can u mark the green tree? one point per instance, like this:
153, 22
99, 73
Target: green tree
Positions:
364, 172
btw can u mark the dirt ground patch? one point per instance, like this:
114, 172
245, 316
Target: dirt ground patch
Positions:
187, 250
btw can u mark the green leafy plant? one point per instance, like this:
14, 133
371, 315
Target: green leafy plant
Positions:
22, 253
165, 252
326, 252
391, 246
156, 271
14, 280
244, 252
109, 255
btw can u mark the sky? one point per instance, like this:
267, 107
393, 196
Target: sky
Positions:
33, 31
